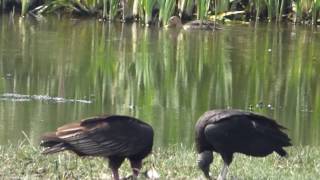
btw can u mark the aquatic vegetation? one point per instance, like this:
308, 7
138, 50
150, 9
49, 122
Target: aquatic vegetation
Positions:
151, 11
185, 7
315, 11
110, 9
147, 6
166, 10
24, 8
202, 8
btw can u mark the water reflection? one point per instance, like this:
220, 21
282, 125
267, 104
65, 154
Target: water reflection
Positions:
165, 77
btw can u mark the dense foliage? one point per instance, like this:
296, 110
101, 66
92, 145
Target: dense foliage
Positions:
159, 11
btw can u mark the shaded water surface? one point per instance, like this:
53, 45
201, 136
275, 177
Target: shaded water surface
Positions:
59, 70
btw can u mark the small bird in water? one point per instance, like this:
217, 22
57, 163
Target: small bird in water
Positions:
234, 131
113, 137
175, 21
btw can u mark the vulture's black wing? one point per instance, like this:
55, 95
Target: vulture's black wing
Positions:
106, 136
246, 132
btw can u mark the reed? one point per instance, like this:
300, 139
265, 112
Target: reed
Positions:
202, 9
105, 9
112, 10
257, 6
278, 11
166, 10
270, 8
315, 11
303, 9
281, 9
147, 6
24, 6
220, 6
273, 10
185, 7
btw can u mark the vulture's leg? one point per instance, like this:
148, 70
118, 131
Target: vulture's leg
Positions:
136, 166
223, 173
114, 164
227, 159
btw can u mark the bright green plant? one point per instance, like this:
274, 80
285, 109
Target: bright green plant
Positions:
24, 6
166, 10
147, 6
302, 10
112, 11
202, 8
315, 11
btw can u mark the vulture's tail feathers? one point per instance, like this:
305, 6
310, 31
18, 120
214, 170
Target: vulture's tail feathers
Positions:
275, 134
52, 144
54, 149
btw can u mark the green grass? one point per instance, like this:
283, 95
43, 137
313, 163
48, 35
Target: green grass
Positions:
175, 162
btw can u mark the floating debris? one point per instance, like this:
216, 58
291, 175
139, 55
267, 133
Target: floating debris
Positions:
270, 106
260, 105
23, 97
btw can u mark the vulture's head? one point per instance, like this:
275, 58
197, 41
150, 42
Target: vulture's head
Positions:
204, 160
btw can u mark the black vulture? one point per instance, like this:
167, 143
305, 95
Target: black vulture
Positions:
235, 131
114, 137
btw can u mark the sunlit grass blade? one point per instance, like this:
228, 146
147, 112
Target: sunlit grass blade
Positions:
166, 10
148, 6
259, 5
113, 7
135, 8
202, 9
315, 11
105, 9
270, 5
186, 7
24, 7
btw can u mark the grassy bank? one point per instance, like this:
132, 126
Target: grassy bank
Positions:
176, 162
159, 11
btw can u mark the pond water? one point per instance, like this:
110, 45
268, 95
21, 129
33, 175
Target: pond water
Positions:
56, 71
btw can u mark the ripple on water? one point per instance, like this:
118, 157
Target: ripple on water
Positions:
22, 97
